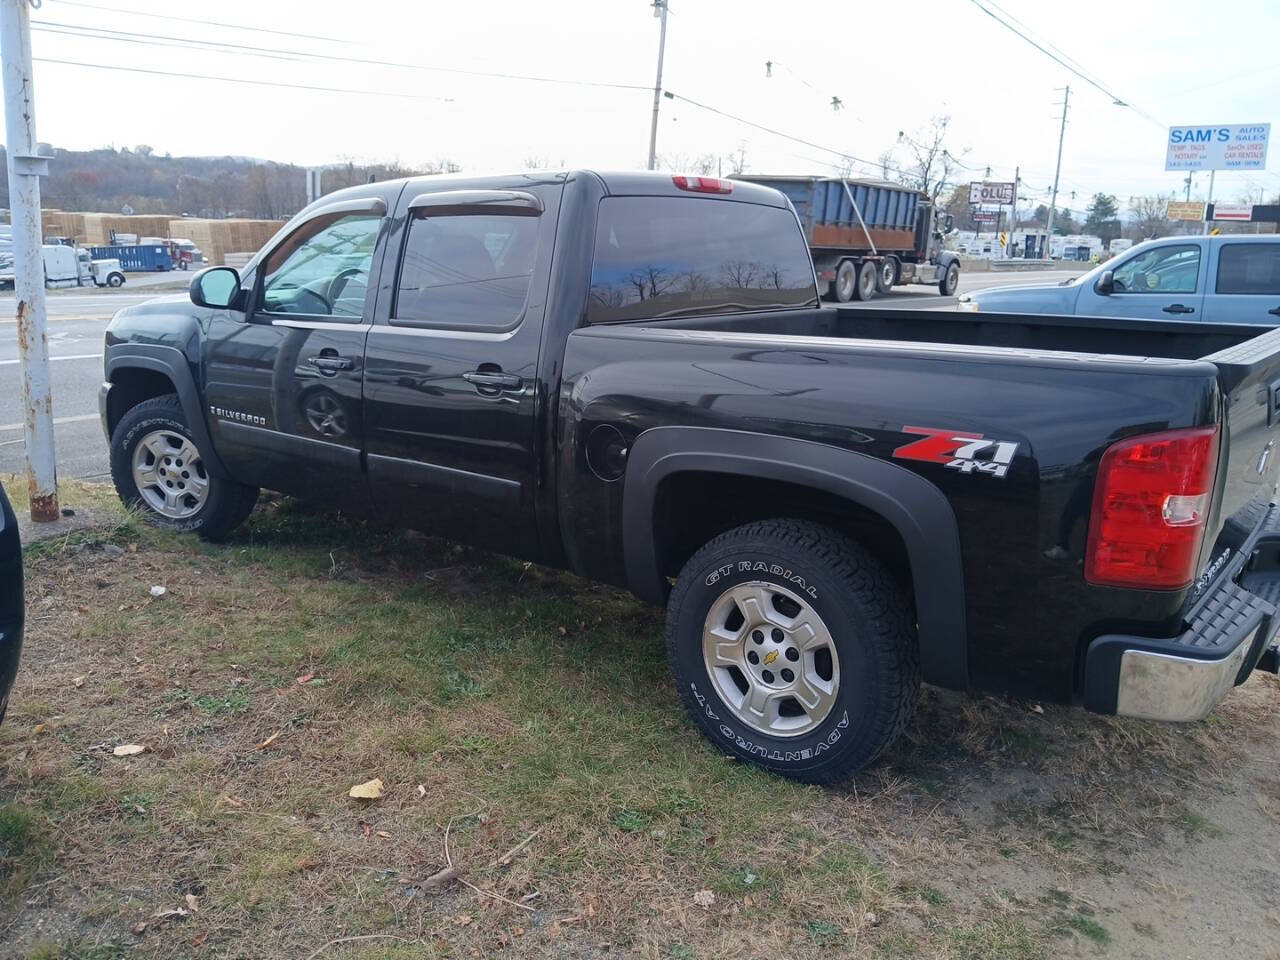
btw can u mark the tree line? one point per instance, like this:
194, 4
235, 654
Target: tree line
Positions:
110, 179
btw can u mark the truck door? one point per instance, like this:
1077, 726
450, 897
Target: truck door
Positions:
284, 377
450, 381
1245, 285
1164, 282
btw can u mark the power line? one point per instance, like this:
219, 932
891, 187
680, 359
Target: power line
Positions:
187, 43
1115, 98
203, 23
255, 83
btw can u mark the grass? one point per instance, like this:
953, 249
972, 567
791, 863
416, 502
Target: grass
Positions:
501, 704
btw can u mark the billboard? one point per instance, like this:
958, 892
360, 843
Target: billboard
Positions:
987, 192
1239, 146
1184, 210
1233, 211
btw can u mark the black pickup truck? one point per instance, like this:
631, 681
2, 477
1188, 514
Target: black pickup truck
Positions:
632, 376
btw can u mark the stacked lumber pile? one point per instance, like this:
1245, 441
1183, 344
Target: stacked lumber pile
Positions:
217, 238
98, 226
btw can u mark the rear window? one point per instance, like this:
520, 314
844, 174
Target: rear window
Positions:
1249, 268
669, 256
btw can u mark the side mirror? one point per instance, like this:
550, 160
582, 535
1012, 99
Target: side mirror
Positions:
215, 287
1106, 283
948, 223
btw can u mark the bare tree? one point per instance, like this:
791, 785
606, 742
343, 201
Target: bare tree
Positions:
887, 165
1149, 218
932, 164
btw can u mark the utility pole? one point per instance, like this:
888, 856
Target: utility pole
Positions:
1208, 203
1062, 132
1013, 211
659, 10
25, 170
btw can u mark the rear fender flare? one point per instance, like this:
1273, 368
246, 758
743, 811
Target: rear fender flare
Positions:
916, 508
171, 362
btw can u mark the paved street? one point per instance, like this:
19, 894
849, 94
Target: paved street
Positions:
78, 317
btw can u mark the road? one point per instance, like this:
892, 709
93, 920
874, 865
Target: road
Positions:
78, 317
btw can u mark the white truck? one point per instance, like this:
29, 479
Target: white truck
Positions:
68, 267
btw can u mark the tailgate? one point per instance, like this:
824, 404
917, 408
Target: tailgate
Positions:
1249, 377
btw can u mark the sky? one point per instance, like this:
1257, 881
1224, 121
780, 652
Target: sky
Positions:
399, 82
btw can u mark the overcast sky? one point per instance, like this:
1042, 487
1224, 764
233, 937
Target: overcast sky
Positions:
894, 67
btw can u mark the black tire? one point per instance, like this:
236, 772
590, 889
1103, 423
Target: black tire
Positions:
865, 288
227, 503
887, 274
863, 609
950, 281
846, 281
115, 280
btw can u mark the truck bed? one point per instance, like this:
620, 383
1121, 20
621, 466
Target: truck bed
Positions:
1174, 340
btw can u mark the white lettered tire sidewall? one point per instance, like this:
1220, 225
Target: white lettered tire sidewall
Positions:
817, 564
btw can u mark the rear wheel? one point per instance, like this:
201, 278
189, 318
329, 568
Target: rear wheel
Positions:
887, 274
793, 648
865, 288
158, 468
846, 281
950, 281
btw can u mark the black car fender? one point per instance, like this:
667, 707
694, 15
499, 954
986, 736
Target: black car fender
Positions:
916, 508
173, 363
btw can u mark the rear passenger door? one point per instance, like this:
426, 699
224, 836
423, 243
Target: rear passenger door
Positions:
1246, 285
450, 381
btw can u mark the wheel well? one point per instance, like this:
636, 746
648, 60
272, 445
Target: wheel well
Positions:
129, 387
692, 508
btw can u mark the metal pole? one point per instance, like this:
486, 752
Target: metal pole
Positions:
659, 9
1062, 132
1208, 203
25, 170
1013, 212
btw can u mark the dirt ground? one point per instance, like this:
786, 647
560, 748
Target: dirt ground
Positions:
523, 727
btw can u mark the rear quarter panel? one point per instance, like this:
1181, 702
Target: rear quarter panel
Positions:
1028, 608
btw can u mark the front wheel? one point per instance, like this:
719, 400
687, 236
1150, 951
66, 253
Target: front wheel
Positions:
950, 281
793, 648
157, 467
115, 280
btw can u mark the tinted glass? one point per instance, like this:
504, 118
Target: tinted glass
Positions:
322, 269
1162, 270
466, 271
667, 256
1249, 268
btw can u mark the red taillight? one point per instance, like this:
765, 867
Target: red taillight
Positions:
1149, 507
703, 184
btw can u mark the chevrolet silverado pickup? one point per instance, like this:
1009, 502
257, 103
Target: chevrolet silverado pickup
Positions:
632, 376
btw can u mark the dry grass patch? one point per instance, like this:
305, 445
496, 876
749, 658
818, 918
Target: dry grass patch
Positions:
500, 702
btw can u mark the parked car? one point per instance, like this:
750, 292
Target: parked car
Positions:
632, 376
1226, 279
11, 601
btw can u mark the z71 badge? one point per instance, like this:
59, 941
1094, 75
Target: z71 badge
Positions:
959, 451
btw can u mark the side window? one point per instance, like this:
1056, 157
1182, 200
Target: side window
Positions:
1162, 270
466, 271
1249, 268
322, 269
670, 256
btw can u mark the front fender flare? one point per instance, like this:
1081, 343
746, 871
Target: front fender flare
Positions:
171, 362
915, 507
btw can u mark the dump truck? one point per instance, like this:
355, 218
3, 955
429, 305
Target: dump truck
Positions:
868, 236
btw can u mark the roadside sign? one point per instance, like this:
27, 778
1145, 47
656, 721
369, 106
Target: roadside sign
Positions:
988, 192
1004, 239
1233, 211
1215, 232
984, 216
1239, 146
1183, 210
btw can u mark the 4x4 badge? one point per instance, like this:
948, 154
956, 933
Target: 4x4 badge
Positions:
959, 450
